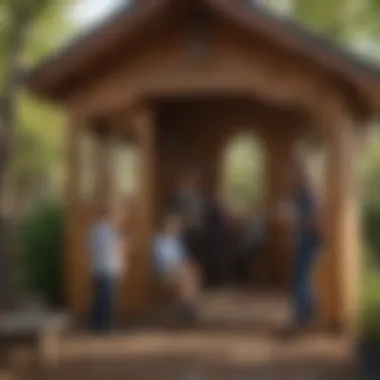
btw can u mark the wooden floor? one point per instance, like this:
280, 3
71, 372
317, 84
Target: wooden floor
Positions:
235, 340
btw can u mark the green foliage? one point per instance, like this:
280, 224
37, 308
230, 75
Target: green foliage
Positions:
324, 16
41, 242
371, 304
54, 18
371, 230
37, 161
243, 166
370, 171
352, 23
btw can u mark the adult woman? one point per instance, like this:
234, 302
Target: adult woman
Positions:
301, 207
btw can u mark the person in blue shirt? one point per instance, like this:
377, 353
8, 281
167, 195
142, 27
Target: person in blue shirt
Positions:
304, 213
172, 263
107, 264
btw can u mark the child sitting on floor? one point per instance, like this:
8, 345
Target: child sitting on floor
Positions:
173, 266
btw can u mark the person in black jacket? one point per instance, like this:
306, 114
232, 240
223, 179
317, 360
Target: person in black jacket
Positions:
305, 214
216, 232
188, 201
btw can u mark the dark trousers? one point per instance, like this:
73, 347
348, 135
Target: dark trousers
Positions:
104, 302
247, 263
304, 303
243, 268
194, 243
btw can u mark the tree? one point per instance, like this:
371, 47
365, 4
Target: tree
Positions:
353, 23
18, 21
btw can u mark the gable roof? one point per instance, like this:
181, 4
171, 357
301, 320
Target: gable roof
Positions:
47, 78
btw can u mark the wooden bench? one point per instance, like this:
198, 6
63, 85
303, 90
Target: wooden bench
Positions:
39, 330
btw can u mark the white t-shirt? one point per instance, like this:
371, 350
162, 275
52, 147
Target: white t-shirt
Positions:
169, 254
106, 250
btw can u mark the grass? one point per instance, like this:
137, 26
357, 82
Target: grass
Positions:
371, 304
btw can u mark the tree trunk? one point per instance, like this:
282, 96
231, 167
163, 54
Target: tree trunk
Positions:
8, 123
7, 129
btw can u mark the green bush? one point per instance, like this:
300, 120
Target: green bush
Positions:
41, 242
371, 219
371, 285
371, 304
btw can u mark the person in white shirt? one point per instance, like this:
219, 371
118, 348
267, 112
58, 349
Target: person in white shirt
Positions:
173, 265
107, 262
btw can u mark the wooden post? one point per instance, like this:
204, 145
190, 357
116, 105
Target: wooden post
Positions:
138, 294
104, 167
280, 240
73, 179
341, 261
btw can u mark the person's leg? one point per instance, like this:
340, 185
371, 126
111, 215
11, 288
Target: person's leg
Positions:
113, 301
297, 292
302, 295
188, 283
99, 309
309, 307
95, 312
304, 307
109, 302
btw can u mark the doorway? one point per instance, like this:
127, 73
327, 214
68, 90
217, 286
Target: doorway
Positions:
242, 186
223, 138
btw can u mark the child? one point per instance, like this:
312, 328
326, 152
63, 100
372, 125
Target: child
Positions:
107, 266
172, 264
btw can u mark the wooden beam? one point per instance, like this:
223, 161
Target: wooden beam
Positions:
104, 166
281, 234
73, 210
139, 281
232, 67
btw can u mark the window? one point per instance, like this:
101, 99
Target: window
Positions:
126, 161
243, 171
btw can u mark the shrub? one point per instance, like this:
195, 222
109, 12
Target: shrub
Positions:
371, 305
41, 242
371, 219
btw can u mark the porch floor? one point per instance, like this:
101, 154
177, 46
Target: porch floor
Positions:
234, 342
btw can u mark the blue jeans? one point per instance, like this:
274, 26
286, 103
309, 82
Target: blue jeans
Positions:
304, 303
104, 302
